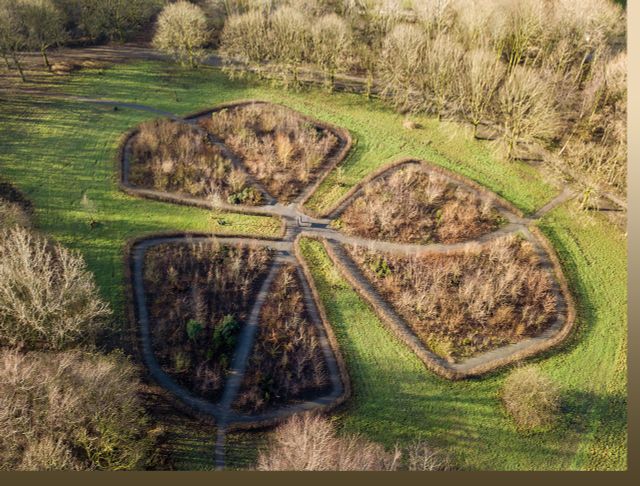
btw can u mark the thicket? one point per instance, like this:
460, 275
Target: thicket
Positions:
538, 73
311, 443
198, 296
287, 363
279, 148
469, 302
409, 205
175, 157
70, 410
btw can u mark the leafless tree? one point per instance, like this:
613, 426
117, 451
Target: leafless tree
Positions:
331, 44
45, 25
182, 32
483, 72
48, 298
527, 109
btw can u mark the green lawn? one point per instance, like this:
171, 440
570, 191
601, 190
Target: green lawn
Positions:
61, 153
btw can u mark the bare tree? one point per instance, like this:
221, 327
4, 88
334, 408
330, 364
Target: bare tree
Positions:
244, 39
518, 30
482, 75
309, 442
70, 410
531, 398
289, 39
371, 21
526, 109
439, 77
331, 40
45, 25
14, 35
401, 65
182, 32
48, 298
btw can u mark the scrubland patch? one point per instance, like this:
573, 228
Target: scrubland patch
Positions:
175, 157
287, 363
409, 205
468, 302
198, 297
282, 149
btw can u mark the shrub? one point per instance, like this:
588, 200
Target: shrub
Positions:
48, 298
70, 410
13, 214
531, 398
309, 442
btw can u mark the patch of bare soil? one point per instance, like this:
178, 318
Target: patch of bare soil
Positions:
280, 148
199, 296
469, 302
174, 157
409, 205
287, 364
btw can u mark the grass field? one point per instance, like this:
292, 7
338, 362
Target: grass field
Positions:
61, 153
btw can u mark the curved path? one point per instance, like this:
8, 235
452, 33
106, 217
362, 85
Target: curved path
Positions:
297, 223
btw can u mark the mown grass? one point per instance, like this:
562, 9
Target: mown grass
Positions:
396, 399
61, 153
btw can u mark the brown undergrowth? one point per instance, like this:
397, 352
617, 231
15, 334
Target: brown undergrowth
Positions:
409, 205
287, 363
281, 149
468, 302
175, 157
198, 296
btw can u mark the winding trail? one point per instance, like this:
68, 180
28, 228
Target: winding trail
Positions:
298, 224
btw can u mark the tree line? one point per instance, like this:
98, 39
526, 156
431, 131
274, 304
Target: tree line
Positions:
549, 72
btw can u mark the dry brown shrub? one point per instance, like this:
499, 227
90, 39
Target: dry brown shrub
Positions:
531, 398
287, 363
192, 291
175, 157
69, 410
48, 298
281, 149
470, 302
13, 214
310, 442
409, 205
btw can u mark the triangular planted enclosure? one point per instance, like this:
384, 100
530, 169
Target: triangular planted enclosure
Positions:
287, 364
285, 151
198, 297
